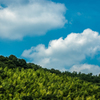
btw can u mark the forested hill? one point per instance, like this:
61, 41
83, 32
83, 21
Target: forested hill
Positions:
13, 62
26, 81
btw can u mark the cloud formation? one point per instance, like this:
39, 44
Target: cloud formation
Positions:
64, 53
30, 17
86, 68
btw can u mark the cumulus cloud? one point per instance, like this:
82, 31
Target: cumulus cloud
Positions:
30, 17
86, 68
63, 53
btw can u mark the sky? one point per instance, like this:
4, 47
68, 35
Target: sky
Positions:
59, 34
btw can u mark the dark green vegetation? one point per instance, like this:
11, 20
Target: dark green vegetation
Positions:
26, 81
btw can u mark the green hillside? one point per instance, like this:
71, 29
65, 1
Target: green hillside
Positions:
26, 81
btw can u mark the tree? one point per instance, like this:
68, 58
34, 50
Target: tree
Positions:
13, 58
2, 58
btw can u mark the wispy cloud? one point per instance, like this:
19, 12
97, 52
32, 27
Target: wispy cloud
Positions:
65, 53
30, 18
0, 7
78, 13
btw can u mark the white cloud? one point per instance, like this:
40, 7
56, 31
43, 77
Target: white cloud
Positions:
86, 68
35, 17
64, 53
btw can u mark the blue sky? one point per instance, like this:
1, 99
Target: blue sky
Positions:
58, 34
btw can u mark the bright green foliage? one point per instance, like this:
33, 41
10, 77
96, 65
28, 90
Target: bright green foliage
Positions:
43, 85
20, 83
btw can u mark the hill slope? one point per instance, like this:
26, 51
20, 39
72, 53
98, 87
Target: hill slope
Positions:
26, 81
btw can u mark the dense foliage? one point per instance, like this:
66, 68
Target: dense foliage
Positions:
26, 81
